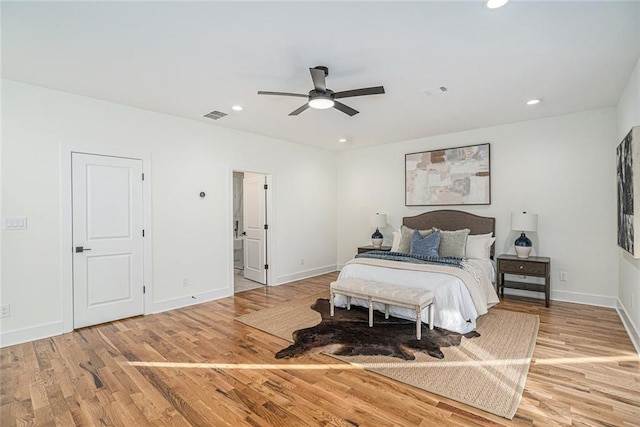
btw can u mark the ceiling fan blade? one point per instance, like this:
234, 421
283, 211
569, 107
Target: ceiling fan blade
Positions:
345, 108
299, 110
319, 81
377, 90
262, 92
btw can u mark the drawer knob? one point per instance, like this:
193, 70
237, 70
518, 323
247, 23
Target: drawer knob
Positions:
521, 267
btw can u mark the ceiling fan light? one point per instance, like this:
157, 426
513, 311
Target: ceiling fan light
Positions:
321, 103
494, 4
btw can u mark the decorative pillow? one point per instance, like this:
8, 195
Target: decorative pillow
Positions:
396, 241
427, 245
479, 246
453, 243
406, 235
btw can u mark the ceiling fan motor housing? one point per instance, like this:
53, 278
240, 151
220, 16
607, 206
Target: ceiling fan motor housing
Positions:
320, 100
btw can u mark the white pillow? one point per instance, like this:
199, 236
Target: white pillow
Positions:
479, 246
396, 241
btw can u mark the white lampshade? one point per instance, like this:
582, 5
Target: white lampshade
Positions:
378, 220
524, 221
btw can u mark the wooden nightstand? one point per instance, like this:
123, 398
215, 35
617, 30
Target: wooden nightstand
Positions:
533, 266
363, 249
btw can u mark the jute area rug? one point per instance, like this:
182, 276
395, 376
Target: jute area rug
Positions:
486, 372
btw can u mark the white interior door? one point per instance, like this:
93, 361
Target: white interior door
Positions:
107, 238
254, 218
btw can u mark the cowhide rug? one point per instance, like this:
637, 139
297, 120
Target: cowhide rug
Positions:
347, 333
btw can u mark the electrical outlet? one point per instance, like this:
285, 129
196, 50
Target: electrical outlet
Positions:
563, 276
5, 310
301, 261
185, 282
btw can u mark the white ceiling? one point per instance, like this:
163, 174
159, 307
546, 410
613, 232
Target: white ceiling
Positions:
189, 58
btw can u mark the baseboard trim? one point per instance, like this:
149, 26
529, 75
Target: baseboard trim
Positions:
588, 299
633, 333
573, 297
281, 280
33, 333
185, 301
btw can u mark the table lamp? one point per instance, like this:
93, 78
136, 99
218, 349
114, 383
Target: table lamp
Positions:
523, 222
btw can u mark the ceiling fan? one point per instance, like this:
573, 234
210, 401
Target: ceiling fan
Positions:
322, 98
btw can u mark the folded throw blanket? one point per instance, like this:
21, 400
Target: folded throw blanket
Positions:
416, 259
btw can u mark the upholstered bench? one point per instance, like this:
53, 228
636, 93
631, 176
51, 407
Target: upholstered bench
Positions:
402, 296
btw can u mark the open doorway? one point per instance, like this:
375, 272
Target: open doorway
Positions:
250, 230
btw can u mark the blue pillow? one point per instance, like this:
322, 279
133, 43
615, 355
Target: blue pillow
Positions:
427, 246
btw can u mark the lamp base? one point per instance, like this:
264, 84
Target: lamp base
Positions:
523, 251
523, 246
376, 239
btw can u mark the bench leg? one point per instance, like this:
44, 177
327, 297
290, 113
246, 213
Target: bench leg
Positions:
418, 323
431, 316
348, 302
370, 312
386, 311
333, 296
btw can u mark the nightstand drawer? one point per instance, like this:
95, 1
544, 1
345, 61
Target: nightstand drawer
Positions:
523, 267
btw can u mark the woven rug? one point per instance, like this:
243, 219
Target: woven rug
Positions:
486, 372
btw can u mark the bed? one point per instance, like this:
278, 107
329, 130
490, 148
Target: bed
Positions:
462, 292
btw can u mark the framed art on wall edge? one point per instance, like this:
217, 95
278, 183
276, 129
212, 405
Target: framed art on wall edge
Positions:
628, 179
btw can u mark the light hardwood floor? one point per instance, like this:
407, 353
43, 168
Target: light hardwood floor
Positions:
215, 371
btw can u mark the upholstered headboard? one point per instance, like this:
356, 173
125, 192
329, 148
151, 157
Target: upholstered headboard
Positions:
452, 220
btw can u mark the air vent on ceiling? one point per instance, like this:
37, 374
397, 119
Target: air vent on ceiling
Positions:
215, 115
436, 91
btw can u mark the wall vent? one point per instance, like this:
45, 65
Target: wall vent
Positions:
215, 115
436, 91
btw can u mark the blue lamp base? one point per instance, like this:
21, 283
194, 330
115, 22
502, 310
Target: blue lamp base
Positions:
523, 246
376, 239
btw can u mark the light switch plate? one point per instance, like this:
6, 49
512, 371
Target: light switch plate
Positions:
15, 223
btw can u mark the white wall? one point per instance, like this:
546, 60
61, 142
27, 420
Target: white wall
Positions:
629, 268
191, 237
561, 168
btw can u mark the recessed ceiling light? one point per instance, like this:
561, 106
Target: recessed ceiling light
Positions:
494, 4
237, 108
533, 101
342, 140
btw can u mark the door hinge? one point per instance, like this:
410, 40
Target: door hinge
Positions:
266, 266
144, 289
143, 233
266, 187
143, 177
266, 226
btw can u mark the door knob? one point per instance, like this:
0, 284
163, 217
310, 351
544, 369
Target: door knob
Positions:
80, 249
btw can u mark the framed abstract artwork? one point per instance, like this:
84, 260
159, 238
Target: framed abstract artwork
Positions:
451, 176
628, 178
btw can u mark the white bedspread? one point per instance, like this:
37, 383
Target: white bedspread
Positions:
455, 309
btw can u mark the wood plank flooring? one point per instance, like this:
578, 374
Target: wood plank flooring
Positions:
198, 367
